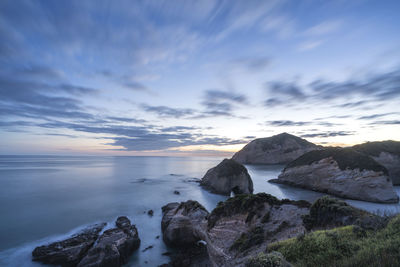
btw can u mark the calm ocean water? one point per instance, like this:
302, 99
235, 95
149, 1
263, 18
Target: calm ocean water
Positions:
46, 198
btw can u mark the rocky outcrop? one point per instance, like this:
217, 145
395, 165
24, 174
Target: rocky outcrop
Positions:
386, 153
228, 176
343, 172
237, 229
86, 248
68, 252
114, 246
183, 224
277, 149
327, 212
241, 227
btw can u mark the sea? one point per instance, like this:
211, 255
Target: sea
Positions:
48, 198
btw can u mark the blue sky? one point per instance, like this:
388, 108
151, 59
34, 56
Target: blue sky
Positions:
195, 77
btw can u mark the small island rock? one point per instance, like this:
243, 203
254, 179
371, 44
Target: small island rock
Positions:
228, 176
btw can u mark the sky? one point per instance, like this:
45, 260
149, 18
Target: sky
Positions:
195, 78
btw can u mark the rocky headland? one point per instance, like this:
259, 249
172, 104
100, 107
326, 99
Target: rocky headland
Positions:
386, 153
90, 248
228, 176
342, 172
277, 149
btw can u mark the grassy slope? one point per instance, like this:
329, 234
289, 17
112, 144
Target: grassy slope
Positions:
344, 246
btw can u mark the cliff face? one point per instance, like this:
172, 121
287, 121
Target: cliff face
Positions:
386, 153
226, 177
277, 149
341, 172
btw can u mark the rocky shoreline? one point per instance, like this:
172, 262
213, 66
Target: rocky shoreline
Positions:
258, 229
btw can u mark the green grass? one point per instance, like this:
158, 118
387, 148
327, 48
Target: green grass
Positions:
344, 246
345, 157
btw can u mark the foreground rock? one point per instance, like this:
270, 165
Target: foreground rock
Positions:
277, 149
228, 176
237, 229
241, 227
114, 246
343, 172
68, 252
183, 224
386, 153
327, 212
86, 248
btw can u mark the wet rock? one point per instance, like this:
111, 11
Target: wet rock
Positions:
342, 172
70, 251
114, 246
176, 192
277, 149
228, 176
183, 223
150, 213
147, 248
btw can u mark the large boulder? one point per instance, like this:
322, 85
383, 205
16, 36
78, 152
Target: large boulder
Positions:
228, 176
183, 224
114, 246
386, 153
68, 252
241, 227
343, 172
277, 149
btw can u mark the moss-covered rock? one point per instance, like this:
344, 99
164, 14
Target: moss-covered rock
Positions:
250, 204
328, 212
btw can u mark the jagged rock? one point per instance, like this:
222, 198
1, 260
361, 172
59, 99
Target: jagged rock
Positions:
228, 176
70, 251
183, 223
327, 212
386, 153
277, 149
343, 172
114, 246
241, 227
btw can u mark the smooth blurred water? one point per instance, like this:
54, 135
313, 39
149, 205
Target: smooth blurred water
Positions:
43, 199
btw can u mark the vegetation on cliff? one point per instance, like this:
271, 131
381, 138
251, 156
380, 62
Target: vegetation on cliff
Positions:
345, 158
375, 148
344, 246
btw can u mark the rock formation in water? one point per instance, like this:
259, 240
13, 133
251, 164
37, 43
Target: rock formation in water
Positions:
87, 248
228, 176
68, 252
277, 149
386, 153
343, 172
